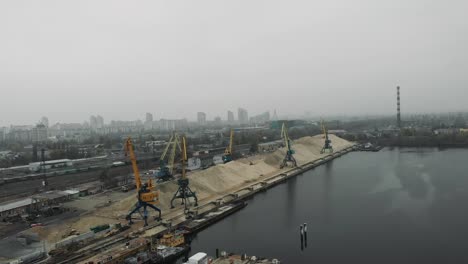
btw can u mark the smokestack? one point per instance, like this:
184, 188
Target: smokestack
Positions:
398, 108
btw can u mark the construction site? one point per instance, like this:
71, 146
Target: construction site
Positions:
154, 214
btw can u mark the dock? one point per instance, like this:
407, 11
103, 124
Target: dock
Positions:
195, 220
236, 259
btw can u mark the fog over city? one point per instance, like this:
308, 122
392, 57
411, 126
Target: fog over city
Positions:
120, 59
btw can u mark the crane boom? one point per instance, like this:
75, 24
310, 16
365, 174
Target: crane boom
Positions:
166, 169
166, 148
323, 128
184, 157
136, 172
175, 144
285, 136
230, 141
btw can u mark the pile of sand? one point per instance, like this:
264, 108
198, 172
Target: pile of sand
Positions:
307, 149
217, 180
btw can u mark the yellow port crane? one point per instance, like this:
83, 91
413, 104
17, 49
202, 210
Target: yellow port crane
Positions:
146, 195
166, 169
289, 151
227, 157
184, 192
327, 146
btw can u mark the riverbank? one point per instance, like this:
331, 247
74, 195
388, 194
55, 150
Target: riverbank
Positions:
445, 141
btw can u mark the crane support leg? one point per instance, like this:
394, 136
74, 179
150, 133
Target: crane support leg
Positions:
184, 193
157, 210
288, 158
327, 147
129, 216
143, 205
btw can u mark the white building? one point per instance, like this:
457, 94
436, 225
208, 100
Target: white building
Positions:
230, 117
243, 116
39, 133
99, 122
260, 119
201, 118
45, 121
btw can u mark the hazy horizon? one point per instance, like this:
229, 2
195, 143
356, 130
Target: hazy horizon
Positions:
68, 60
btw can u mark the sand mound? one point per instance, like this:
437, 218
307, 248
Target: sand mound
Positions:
306, 149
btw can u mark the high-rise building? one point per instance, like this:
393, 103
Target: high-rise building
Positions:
92, 122
20, 133
39, 133
230, 117
243, 116
217, 120
96, 122
172, 124
201, 118
45, 121
149, 123
100, 121
149, 118
260, 119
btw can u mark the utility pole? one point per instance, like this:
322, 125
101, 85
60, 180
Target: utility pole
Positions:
43, 169
398, 108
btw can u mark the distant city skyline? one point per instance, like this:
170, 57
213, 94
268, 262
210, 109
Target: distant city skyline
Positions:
305, 115
68, 61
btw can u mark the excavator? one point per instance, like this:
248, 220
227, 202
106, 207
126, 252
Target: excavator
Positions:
289, 151
147, 196
165, 172
184, 192
327, 146
227, 157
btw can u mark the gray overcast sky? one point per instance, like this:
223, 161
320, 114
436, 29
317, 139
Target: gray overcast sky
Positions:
70, 59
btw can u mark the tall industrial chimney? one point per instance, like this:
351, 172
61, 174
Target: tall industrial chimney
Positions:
398, 108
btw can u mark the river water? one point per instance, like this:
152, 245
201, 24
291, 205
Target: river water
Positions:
395, 206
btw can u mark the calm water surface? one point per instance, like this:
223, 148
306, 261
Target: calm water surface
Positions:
394, 206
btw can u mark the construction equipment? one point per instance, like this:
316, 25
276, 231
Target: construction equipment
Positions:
146, 195
99, 228
184, 192
322, 127
289, 158
227, 157
327, 146
165, 172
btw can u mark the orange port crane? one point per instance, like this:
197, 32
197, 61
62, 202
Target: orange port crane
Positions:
147, 196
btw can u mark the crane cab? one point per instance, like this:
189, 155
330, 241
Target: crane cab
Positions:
148, 197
